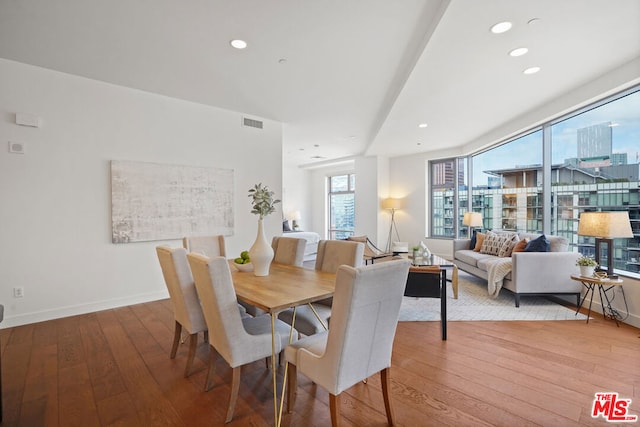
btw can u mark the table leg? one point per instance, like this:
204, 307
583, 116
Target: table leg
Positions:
273, 367
454, 282
590, 287
443, 303
603, 291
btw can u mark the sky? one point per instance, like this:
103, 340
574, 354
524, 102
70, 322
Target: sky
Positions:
624, 113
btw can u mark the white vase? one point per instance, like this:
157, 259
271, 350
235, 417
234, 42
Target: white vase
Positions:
261, 253
587, 270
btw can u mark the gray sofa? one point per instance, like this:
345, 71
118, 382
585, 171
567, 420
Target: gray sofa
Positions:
532, 273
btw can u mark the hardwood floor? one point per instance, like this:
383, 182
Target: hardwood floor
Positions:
113, 368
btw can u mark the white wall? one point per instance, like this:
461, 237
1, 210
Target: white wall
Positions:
55, 215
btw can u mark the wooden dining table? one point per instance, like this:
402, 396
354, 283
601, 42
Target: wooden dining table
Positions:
285, 287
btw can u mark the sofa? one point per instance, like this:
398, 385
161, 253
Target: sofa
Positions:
524, 272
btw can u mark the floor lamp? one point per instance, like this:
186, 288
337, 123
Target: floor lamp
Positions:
393, 205
471, 220
605, 226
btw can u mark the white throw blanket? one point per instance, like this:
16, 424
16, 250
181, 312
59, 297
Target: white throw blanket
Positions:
497, 269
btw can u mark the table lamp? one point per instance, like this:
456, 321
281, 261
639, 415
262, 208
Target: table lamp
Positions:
393, 205
295, 217
605, 226
471, 220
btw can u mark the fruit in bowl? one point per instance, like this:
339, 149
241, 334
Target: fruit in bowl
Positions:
243, 262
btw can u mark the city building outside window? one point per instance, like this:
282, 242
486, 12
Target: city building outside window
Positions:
342, 193
594, 166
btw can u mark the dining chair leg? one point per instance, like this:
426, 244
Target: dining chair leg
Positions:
386, 385
211, 369
292, 385
177, 332
235, 387
193, 345
334, 409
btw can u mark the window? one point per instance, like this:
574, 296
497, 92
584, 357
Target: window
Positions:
448, 190
507, 183
594, 166
341, 206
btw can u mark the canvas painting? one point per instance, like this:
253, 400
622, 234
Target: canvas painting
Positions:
151, 201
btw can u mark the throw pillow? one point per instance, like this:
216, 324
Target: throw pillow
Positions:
479, 240
472, 243
519, 247
285, 225
541, 244
508, 245
492, 244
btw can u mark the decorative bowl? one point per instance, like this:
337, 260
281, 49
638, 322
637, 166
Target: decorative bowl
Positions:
243, 267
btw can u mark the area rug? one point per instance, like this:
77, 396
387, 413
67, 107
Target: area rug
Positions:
474, 303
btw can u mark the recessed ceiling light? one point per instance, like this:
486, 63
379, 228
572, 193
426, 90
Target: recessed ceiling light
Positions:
238, 44
423, 125
612, 125
531, 70
519, 51
533, 21
282, 61
501, 27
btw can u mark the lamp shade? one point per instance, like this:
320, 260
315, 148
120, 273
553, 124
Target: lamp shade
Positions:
472, 219
392, 203
295, 215
607, 225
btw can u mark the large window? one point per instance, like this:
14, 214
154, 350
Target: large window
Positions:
342, 206
595, 168
592, 165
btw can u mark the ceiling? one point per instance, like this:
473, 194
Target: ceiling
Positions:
345, 77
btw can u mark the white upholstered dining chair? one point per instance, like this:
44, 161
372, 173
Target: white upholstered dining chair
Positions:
238, 340
359, 343
331, 255
211, 246
288, 250
184, 298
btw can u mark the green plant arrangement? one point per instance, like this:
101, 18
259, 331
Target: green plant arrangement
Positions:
263, 202
585, 261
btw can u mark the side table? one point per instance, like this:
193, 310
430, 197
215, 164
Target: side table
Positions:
604, 286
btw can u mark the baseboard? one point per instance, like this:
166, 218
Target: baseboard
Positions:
57, 313
633, 319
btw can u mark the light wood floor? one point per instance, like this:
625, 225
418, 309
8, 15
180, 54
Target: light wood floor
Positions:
113, 368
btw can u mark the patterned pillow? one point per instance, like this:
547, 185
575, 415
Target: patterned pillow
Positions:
509, 244
492, 244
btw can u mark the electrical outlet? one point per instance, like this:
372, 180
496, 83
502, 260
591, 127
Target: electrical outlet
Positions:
18, 292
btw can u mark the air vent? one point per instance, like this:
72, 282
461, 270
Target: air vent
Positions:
251, 123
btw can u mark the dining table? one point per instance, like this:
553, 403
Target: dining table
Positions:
285, 286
